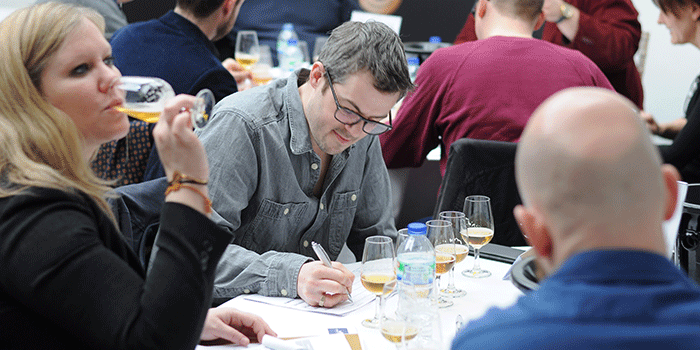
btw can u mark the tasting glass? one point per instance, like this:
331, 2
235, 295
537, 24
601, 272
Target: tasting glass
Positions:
459, 225
479, 230
442, 237
377, 270
395, 323
145, 98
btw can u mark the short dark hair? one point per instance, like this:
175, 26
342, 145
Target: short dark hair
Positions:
525, 9
674, 6
201, 8
371, 46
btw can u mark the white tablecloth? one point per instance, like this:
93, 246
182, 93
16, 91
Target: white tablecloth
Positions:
482, 294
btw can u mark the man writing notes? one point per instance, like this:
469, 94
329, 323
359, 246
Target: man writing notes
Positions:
595, 195
485, 89
297, 161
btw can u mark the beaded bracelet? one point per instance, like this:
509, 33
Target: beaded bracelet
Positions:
181, 181
182, 178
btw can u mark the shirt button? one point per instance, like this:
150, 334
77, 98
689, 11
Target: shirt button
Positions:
246, 291
283, 292
353, 197
321, 206
306, 244
314, 166
286, 211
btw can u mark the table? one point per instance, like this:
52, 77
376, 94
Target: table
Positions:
482, 294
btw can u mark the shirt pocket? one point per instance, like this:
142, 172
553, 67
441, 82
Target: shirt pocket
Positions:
342, 213
274, 226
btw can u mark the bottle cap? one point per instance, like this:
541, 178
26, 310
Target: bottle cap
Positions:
287, 26
435, 39
417, 228
413, 60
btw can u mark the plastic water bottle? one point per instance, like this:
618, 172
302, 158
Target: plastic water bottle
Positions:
416, 258
285, 34
291, 57
434, 42
413, 64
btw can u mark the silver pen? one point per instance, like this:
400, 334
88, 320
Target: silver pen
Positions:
323, 256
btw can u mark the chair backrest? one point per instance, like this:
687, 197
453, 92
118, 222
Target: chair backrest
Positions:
481, 167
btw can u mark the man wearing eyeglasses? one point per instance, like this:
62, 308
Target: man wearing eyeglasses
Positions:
297, 161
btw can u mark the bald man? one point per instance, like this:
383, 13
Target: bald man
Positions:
595, 195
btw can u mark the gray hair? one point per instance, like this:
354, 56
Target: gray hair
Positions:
371, 46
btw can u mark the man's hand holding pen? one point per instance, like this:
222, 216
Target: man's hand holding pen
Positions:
319, 285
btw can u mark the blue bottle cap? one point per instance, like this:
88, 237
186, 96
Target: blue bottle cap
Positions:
287, 26
435, 39
417, 228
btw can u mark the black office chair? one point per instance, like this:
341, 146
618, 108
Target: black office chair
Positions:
481, 167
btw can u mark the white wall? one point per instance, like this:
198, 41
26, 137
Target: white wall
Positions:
668, 73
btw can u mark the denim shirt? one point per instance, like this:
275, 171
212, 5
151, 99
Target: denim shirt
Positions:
262, 174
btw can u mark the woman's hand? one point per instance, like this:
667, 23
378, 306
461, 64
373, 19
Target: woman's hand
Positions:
238, 327
650, 122
178, 147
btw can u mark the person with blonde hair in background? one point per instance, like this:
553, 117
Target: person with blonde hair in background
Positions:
594, 197
68, 279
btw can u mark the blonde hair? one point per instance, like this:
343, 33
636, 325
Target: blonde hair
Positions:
39, 144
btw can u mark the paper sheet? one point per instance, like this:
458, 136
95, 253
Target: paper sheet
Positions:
360, 297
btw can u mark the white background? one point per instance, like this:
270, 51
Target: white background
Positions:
668, 73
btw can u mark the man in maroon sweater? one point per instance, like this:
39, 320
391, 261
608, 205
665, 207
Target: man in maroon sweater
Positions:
485, 89
606, 31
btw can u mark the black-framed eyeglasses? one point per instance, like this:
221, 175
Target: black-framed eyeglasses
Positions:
349, 117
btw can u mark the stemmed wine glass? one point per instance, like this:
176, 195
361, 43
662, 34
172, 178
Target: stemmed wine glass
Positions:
441, 236
247, 49
479, 231
145, 98
377, 270
459, 225
395, 323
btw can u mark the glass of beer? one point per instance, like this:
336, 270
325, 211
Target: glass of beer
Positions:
247, 48
479, 230
442, 237
377, 270
459, 224
145, 98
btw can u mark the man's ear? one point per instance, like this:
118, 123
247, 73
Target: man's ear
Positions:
540, 21
481, 8
228, 6
671, 177
537, 235
316, 74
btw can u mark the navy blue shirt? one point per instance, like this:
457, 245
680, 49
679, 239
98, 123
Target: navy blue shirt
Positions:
597, 300
177, 51
311, 18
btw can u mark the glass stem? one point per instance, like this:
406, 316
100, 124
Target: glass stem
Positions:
378, 307
477, 267
451, 279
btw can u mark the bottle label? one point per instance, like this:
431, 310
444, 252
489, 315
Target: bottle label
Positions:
416, 268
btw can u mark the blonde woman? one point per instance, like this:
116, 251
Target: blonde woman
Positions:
67, 277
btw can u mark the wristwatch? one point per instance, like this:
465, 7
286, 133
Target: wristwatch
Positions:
567, 11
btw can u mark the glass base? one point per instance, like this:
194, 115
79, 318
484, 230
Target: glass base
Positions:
443, 303
371, 323
453, 292
476, 273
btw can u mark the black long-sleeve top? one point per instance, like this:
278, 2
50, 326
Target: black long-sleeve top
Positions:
69, 280
684, 152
